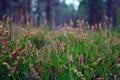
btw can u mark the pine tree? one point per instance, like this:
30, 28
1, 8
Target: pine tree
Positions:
95, 12
111, 11
48, 11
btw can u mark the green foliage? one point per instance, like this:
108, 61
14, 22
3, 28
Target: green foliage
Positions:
38, 39
65, 54
16, 56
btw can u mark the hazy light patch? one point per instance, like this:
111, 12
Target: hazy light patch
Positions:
68, 1
75, 3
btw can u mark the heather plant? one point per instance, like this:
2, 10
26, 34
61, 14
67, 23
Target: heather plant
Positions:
38, 39
62, 54
92, 54
15, 57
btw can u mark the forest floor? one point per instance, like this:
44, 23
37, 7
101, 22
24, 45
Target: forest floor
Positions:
62, 54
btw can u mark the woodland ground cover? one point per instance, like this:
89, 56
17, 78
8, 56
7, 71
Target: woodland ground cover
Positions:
61, 54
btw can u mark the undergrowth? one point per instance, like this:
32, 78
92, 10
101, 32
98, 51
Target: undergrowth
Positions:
64, 54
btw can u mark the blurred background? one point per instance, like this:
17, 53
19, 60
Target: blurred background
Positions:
58, 12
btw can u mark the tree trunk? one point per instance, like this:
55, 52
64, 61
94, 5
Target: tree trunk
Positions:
4, 8
95, 12
48, 14
114, 14
57, 12
112, 6
38, 11
23, 13
109, 8
1, 9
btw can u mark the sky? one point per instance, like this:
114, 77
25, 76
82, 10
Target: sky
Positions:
74, 2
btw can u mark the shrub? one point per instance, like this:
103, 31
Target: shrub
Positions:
65, 54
